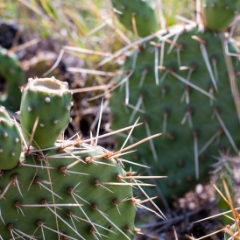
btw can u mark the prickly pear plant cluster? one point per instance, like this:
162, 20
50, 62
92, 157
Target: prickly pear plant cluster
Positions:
184, 84
68, 190
12, 77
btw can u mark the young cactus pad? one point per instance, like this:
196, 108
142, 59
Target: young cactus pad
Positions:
45, 111
180, 86
75, 192
13, 77
218, 14
10, 142
138, 13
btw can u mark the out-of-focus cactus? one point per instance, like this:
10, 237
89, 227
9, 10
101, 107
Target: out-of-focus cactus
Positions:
138, 13
13, 77
218, 14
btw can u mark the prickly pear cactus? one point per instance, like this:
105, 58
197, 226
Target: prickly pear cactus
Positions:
13, 77
75, 192
10, 143
72, 190
219, 14
179, 85
137, 11
45, 111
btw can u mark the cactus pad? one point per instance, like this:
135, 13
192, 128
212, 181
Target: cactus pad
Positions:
45, 111
67, 193
10, 142
219, 14
142, 13
13, 77
180, 86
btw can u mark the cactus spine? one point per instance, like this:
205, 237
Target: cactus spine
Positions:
231, 232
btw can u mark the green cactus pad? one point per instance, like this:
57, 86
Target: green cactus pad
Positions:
145, 18
45, 111
179, 87
67, 193
14, 78
218, 14
10, 142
